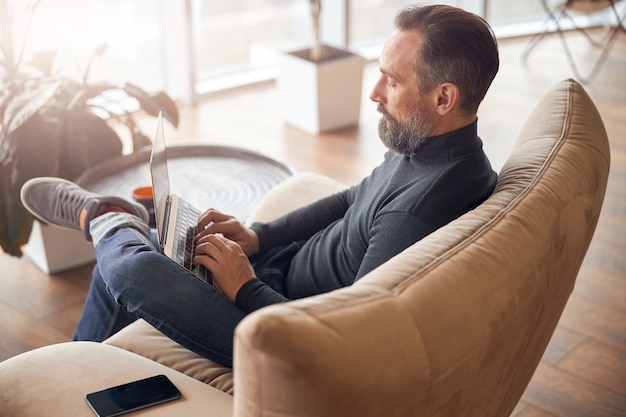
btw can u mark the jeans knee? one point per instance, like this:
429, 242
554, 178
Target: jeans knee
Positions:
131, 278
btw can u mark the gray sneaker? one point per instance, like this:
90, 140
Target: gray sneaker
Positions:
62, 203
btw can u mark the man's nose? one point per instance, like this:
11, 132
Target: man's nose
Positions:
376, 94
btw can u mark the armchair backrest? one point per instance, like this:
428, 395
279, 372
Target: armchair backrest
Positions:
456, 324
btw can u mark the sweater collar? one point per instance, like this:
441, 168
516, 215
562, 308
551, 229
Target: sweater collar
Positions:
450, 146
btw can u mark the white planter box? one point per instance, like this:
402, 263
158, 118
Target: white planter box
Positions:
55, 249
320, 96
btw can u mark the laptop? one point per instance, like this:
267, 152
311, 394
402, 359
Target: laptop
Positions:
176, 219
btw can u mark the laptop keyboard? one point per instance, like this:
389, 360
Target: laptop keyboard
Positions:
185, 244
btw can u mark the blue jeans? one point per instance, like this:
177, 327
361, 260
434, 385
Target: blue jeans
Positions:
133, 280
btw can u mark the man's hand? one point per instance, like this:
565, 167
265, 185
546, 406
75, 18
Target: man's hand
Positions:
227, 262
213, 221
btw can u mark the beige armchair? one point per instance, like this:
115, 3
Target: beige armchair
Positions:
453, 326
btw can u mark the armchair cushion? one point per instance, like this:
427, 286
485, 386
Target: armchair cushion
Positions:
143, 339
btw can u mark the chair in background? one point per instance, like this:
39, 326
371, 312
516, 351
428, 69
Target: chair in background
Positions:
566, 11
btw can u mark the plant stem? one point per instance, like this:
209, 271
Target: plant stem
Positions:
316, 9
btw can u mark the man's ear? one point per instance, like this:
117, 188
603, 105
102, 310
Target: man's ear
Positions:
448, 96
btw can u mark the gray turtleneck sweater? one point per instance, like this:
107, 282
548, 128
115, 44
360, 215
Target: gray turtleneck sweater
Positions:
346, 235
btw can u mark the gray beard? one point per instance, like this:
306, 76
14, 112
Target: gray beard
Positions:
404, 137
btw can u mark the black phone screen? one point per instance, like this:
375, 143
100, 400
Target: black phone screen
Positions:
132, 396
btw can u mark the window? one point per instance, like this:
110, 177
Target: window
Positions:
131, 29
371, 22
192, 46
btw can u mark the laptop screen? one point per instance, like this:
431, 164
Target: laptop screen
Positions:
160, 179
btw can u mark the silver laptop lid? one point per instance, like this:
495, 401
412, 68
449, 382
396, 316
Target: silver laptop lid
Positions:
160, 180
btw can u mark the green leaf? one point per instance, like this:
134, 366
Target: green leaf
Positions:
87, 140
44, 61
87, 92
99, 51
27, 103
34, 151
15, 221
140, 140
154, 103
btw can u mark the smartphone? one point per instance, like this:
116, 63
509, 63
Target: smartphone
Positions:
132, 396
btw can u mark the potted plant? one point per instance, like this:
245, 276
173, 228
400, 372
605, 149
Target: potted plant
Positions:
320, 87
52, 125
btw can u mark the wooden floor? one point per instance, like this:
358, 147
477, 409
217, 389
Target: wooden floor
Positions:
583, 372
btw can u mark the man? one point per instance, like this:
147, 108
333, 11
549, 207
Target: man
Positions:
435, 70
